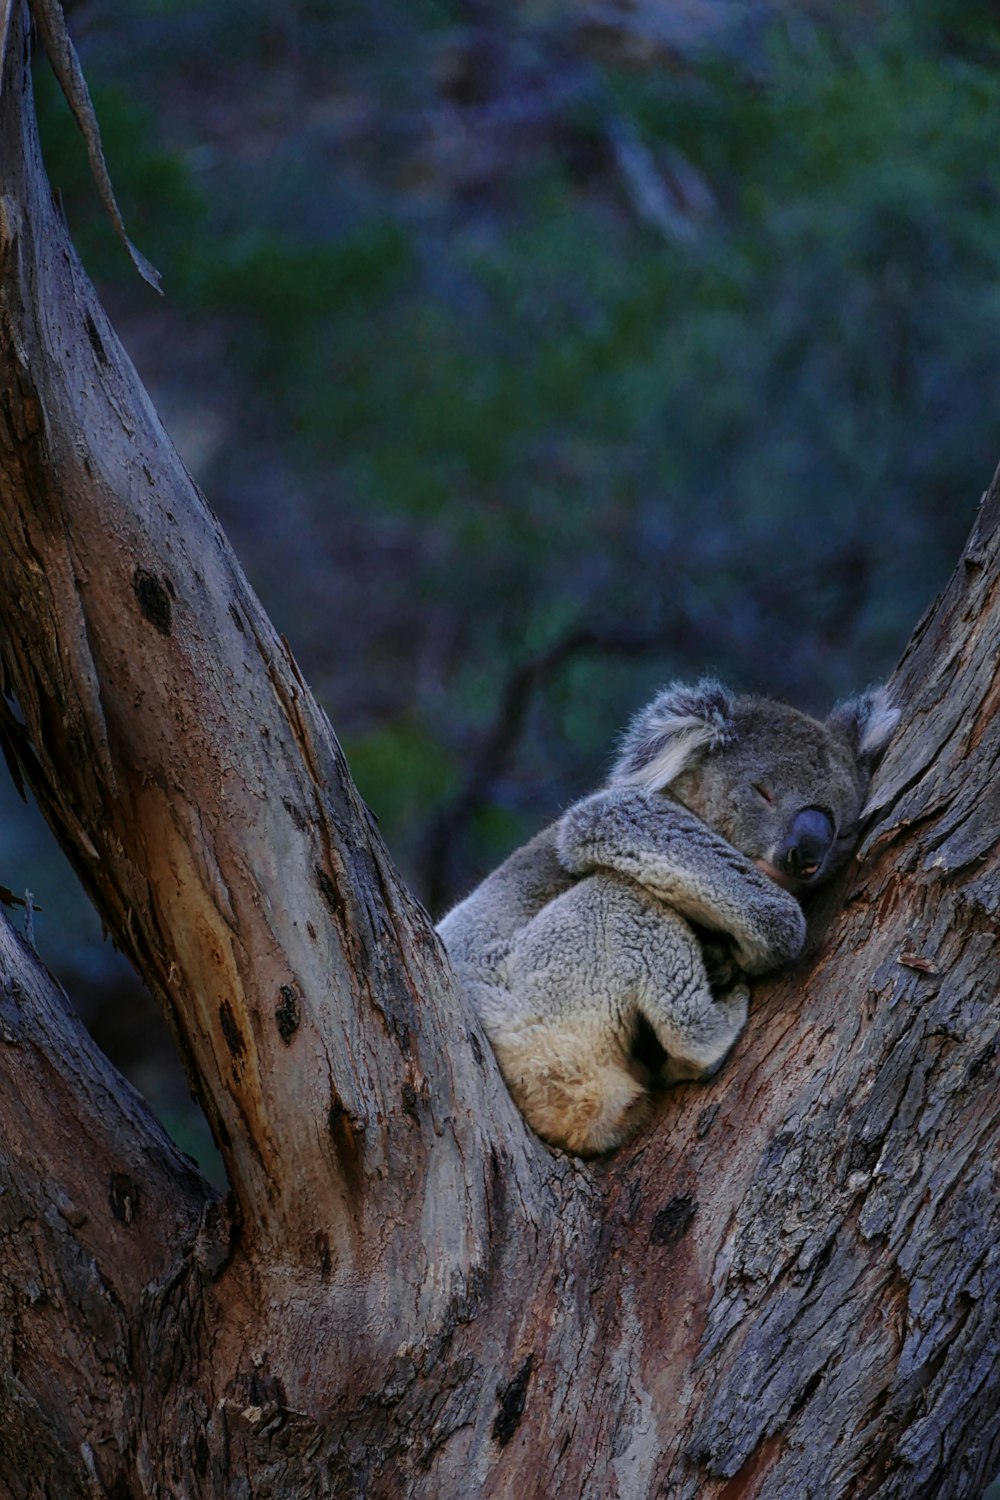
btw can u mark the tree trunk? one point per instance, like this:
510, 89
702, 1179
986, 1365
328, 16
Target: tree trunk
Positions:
788, 1287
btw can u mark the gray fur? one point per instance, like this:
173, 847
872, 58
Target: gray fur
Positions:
668, 733
868, 721
644, 908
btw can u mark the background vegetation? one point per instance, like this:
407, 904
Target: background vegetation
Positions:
534, 355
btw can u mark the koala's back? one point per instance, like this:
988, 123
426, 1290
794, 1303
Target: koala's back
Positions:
488, 920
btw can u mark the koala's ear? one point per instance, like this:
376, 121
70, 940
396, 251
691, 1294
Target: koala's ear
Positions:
867, 721
662, 739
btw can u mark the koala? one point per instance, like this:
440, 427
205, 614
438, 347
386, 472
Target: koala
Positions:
610, 955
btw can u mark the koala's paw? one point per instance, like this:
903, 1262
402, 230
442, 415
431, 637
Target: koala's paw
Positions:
721, 967
734, 1004
709, 1050
683, 1070
779, 933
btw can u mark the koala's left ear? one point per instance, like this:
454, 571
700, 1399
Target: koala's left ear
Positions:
663, 737
868, 721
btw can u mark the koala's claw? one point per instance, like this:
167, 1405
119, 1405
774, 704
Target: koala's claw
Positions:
721, 967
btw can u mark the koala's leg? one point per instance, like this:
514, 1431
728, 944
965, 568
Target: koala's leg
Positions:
562, 1028
695, 1025
573, 1083
569, 1077
698, 1046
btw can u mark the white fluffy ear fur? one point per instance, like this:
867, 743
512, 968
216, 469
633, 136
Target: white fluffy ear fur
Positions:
868, 721
664, 737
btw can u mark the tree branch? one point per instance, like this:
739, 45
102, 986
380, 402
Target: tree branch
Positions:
789, 1286
203, 798
92, 1233
830, 1212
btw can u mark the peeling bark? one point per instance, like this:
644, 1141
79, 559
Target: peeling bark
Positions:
788, 1287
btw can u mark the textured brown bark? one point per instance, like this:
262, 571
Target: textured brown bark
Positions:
788, 1287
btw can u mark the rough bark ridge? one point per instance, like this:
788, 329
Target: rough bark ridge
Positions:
788, 1288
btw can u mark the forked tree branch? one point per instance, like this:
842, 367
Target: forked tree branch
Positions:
788, 1286
203, 798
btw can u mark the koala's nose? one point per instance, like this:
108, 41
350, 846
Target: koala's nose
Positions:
807, 843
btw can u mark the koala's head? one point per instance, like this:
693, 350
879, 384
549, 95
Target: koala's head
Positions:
783, 788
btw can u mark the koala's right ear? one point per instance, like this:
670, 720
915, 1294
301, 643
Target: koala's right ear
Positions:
663, 737
868, 721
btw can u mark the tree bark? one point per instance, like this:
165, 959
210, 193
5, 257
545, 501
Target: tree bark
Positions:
788, 1287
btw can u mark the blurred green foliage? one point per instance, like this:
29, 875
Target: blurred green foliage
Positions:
773, 425
531, 378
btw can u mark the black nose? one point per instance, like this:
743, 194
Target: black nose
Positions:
807, 843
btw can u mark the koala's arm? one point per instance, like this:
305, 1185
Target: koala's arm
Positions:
664, 847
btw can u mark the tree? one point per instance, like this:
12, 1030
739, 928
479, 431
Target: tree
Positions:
787, 1287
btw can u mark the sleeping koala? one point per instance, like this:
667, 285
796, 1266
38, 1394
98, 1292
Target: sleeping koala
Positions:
610, 954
